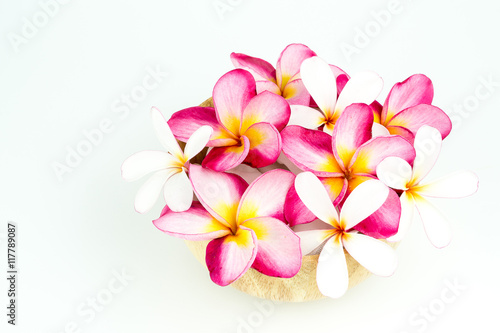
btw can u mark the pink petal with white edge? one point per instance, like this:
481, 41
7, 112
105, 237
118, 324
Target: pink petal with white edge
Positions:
278, 251
288, 66
231, 95
150, 191
197, 141
266, 107
267, 86
363, 87
164, 133
459, 184
295, 211
228, 258
185, 122
195, 224
417, 116
315, 197
178, 192
265, 145
366, 198
374, 255
407, 212
427, 146
296, 93
266, 196
371, 153
384, 222
417, 89
320, 83
318, 145
259, 68
306, 117
336, 188
225, 158
332, 276
395, 172
436, 225
219, 192
353, 128
310, 240
144, 162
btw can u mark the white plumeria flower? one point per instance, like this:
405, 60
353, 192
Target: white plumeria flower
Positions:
320, 82
398, 174
379, 258
170, 167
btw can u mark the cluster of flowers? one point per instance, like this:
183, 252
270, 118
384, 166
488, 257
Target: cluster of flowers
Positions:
317, 149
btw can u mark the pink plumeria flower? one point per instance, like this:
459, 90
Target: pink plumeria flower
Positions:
318, 78
285, 79
169, 167
246, 127
343, 161
400, 175
244, 224
338, 234
408, 107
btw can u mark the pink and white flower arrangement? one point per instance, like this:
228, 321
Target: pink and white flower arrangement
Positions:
319, 151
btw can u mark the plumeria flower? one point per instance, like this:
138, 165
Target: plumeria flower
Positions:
408, 107
321, 83
169, 167
285, 79
343, 161
246, 127
338, 234
400, 175
244, 224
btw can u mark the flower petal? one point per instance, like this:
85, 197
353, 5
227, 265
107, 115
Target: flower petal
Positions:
394, 172
225, 158
371, 153
306, 117
295, 210
417, 89
427, 146
267, 86
417, 116
367, 198
456, 185
318, 145
266, 107
353, 128
259, 68
164, 133
197, 141
436, 225
401, 131
218, 192
310, 240
296, 93
278, 251
144, 162
289, 62
374, 255
185, 122
379, 130
266, 196
228, 258
246, 172
363, 87
231, 95
151, 189
407, 212
194, 224
265, 145
178, 192
320, 82
332, 276
312, 193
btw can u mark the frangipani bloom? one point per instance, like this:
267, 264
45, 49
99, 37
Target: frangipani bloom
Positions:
246, 127
285, 79
376, 256
343, 161
399, 175
318, 78
169, 167
407, 108
244, 224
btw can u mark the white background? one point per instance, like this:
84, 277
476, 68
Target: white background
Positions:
74, 233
